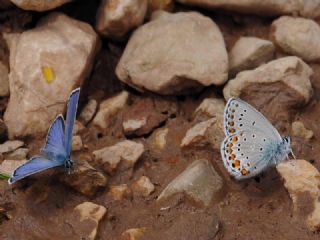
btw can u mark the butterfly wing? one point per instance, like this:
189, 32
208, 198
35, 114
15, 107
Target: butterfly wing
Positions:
55, 138
239, 116
245, 154
34, 165
71, 115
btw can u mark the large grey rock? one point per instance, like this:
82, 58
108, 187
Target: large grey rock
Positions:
199, 180
116, 18
298, 36
40, 6
156, 59
248, 53
302, 180
59, 54
291, 71
306, 8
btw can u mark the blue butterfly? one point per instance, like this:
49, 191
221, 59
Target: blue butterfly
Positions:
57, 150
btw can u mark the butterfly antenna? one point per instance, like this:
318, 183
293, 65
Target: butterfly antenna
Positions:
292, 154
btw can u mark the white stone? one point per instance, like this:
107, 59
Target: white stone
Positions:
40, 6
298, 129
59, 53
8, 166
128, 152
248, 53
92, 212
211, 107
133, 234
119, 192
108, 108
10, 146
199, 180
143, 186
76, 143
132, 125
156, 59
4, 80
88, 111
19, 154
291, 71
301, 178
306, 8
298, 36
116, 18
160, 138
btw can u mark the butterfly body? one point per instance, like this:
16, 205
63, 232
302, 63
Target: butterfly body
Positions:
57, 150
252, 144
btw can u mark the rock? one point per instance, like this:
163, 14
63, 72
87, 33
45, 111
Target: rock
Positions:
133, 234
39, 6
302, 181
84, 179
143, 186
128, 152
119, 192
291, 71
88, 111
108, 108
160, 138
203, 133
116, 18
8, 166
85, 220
154, 5
4, 80
19, 154
142, 117
199, 181
297, 36
156, 59
76, 143
298, 129
209, 108
309, 8
248, 53
77, 127
40, 89
10, 146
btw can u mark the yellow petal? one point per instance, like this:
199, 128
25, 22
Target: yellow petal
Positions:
48, 74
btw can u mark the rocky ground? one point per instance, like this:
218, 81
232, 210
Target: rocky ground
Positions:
150, 118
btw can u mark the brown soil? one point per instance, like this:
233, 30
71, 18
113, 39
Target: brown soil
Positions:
254, 209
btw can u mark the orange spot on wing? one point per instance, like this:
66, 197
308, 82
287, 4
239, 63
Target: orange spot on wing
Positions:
235, 139
236, 163
245, 172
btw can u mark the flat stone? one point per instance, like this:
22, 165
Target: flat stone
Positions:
19, 154
4, 80
160, 138
40, 89
88, 111
40, 6
248, 53
76, 143
84, 179
309, 8
209, 108
109, 108
10, 146
297, 36
291, 71
8, 166
199, 181
127, 152
119, 192
116, 18
85, 219
150, 61
298, 129
133, 234
301, 178
143, 186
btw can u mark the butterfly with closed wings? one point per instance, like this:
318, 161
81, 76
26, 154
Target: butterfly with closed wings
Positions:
251, 144
57, 150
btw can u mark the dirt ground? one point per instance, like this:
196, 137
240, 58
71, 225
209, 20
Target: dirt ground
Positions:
258, 208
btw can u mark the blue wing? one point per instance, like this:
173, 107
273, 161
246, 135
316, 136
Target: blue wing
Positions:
71, 115
55, 138
34, 165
